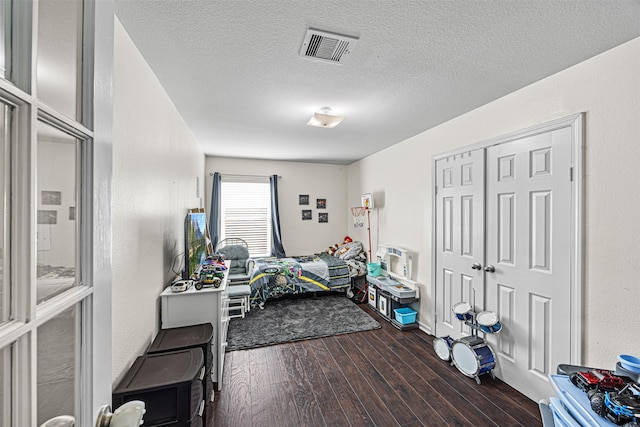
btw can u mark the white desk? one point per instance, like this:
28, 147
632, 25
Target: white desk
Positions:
193, 307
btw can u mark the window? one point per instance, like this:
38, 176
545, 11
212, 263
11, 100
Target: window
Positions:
6, 383
5, 36
57, 365
245, 213
59, 71
5, 192
59, 157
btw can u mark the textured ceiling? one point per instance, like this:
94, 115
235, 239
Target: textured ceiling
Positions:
233, 71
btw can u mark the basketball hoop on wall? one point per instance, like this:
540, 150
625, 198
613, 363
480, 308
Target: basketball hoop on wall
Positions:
359, 213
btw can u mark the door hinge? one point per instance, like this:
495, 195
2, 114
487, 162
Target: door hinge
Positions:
570, 174
436, 190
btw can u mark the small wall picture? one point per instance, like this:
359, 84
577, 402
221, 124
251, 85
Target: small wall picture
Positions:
323, 217
303, 199
47, 217
306, 214
72, 213
51, 197
321, 204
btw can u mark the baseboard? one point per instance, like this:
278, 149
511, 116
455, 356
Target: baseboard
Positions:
424, 328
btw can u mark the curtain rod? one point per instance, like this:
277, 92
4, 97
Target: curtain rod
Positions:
244, 176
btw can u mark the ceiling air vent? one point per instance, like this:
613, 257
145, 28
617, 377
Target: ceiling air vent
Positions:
326, 46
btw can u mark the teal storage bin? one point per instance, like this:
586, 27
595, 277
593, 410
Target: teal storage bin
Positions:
405, 315
373, 268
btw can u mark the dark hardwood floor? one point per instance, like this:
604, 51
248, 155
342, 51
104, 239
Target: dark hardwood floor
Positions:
383, 377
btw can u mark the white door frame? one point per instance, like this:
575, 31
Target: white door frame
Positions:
102, 159
576, 122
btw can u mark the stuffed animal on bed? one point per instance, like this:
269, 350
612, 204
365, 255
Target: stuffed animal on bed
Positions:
341, 250
333, 249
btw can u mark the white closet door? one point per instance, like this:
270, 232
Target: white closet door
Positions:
529, 219
459, 237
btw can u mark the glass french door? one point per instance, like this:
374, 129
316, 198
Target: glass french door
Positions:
55, 352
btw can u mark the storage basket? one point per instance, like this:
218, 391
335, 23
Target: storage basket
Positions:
630, 363
373, 268
405, 315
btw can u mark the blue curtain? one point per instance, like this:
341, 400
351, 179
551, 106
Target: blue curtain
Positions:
214, 212
276, 245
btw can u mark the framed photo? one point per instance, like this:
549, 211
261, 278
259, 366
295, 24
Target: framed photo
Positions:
306, 214
47, 217
51, 197
72, 213
303, 199
321, 203
323, 217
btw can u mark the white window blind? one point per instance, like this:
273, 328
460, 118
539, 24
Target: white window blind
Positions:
245, 213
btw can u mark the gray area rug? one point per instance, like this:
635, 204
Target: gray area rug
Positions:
297, 319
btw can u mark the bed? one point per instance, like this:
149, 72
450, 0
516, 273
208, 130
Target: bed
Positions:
322, 272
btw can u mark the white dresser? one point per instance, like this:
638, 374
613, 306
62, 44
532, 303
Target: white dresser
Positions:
193, 307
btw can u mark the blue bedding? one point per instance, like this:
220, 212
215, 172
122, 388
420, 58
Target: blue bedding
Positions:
275, 277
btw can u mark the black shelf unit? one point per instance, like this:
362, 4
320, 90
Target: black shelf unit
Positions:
170, 384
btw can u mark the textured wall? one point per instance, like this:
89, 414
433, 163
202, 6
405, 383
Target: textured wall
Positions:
319, 181
156, 164
607, 88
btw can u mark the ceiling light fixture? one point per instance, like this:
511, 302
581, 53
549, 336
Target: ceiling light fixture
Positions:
324, 119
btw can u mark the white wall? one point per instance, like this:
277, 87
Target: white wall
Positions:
156, 162
607, 88
319, 181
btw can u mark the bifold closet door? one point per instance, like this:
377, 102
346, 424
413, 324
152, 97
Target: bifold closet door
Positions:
528, 232
505, 223
459, 237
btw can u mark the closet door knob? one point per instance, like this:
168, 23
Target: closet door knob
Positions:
476, 266
490, 269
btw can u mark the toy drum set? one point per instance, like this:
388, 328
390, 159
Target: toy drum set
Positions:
471, 355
